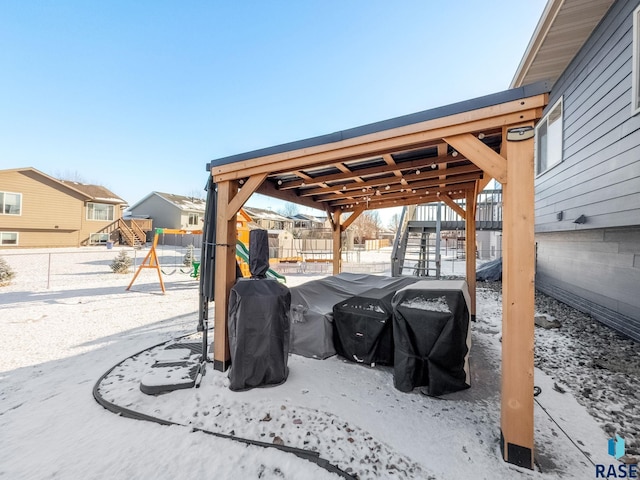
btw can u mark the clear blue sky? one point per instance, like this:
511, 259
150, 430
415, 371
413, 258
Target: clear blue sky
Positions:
140, 95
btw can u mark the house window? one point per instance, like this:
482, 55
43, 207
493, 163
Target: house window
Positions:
635, 86
194, 219
8, 238
549, 139
98, 238
10, 203
100, 211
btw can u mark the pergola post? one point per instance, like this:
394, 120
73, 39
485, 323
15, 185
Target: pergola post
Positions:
225, 272
470, 248
337, 242
517, 435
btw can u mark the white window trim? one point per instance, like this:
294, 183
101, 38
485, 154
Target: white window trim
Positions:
98, 203
10, 244
14, 214
544, 120
197, 218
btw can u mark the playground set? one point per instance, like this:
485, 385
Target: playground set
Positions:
152, 261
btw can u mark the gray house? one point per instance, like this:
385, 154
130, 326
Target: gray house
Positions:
588, 157
170, 211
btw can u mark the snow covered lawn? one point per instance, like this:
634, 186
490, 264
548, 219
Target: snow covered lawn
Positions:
66, 319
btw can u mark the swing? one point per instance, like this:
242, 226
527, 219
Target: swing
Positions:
151, 260
174, 263
190, 257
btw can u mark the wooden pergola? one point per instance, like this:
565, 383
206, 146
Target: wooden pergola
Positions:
444, 154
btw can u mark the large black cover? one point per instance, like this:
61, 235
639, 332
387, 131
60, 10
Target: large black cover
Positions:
362, 327
312, 308
258, 324
431, 336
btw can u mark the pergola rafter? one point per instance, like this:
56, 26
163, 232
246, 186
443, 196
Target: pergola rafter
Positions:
444, 154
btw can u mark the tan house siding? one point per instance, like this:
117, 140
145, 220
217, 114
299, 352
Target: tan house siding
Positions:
52, 214
94, 226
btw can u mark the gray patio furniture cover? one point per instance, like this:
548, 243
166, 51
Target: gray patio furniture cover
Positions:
312, 308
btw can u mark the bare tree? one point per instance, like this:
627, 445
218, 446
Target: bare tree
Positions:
289, 210
367, 226
196, 193
69, 176
394, 222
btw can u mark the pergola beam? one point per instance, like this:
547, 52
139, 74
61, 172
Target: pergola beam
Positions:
269, 189
468, 182
483, 156
392, 181
406, 137
412, 199
390, 161
364, 172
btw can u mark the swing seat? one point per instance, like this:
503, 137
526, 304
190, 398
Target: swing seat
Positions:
195, 273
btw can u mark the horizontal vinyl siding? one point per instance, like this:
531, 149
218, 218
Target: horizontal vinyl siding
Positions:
87, 227
596, 271
46, 238
599, 176
163, 213
45, 205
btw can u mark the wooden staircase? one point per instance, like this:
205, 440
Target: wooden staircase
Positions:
129, 232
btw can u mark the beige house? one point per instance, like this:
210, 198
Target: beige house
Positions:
37, 210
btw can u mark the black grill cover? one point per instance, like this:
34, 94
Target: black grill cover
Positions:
362, 327
258, 333
258, 253
431, 337
258, 323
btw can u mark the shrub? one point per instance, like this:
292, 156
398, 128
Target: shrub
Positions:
121, 263
6, 273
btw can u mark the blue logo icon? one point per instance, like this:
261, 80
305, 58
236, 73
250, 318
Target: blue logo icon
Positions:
616, 447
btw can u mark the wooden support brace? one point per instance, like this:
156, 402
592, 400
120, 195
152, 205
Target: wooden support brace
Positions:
481, 155
517, 433
249, 187
353, 217
453, 205
329, 213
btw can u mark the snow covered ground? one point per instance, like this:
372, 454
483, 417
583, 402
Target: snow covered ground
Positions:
66, 319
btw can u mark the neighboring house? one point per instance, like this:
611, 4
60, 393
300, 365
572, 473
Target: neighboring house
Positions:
37, 210
309, 222
269, 220
588, 157
170, 211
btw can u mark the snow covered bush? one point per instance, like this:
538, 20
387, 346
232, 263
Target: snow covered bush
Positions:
6, 274
121, 263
